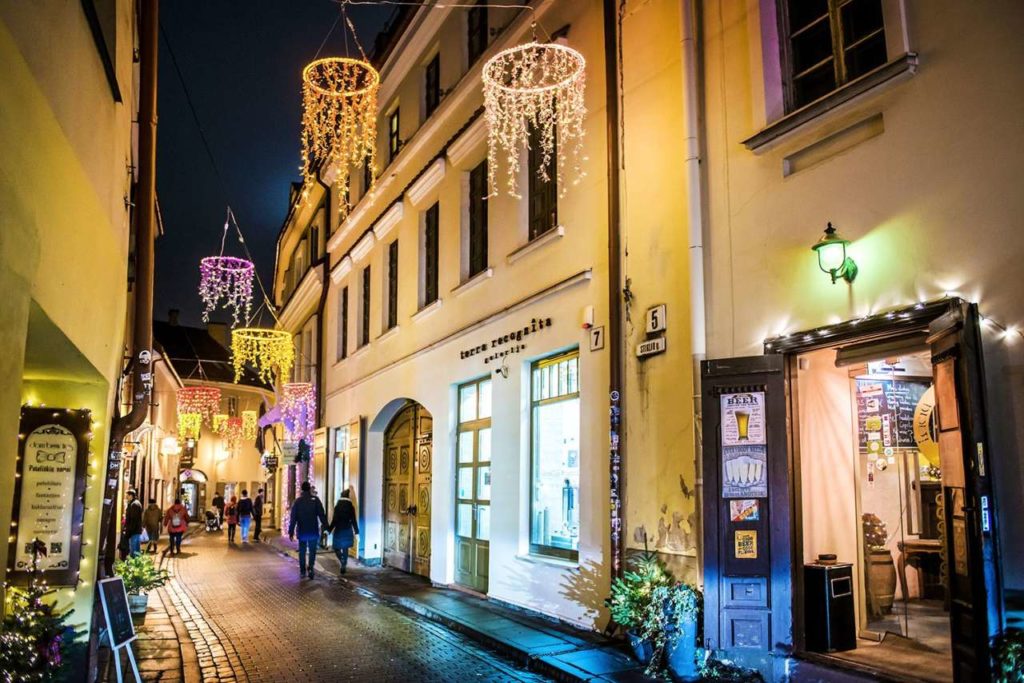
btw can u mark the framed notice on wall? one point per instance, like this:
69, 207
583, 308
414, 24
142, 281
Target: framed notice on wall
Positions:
744, 446
49, 493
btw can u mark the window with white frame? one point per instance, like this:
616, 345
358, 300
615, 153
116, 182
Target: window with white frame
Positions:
343, 323
364, 322
555, 456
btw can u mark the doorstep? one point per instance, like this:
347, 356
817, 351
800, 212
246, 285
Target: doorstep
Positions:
533, 641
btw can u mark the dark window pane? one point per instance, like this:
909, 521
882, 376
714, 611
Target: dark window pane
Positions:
433, 84
865, 56
814, 84
477, 30
543, 194
803, 12
812, 46
343, 332
478, 219
393, 284
430, 255
860, 18
394, 142
364, 336
367, 176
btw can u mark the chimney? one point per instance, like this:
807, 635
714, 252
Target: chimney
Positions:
219, 332
172, 316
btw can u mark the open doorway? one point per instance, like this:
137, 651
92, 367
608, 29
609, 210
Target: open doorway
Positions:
871, 498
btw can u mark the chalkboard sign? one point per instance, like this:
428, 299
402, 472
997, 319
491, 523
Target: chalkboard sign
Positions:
115, 611
885, 412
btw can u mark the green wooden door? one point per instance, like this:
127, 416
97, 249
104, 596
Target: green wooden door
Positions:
473, 486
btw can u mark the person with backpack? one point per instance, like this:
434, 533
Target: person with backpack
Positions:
133, 523
257, 516
345, 528
245, 514
231, 517
307, 514
176, 521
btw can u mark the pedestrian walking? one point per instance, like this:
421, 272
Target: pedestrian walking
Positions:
344, 527
257, 516
308, 516
176, 521
231, 517
245, 508
133, 523
218, 503
151, 522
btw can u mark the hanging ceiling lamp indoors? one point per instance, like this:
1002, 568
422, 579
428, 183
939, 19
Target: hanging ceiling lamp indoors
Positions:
533, 95
265, 349
339, 121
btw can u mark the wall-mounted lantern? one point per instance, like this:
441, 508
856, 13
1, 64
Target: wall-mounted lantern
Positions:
832, 258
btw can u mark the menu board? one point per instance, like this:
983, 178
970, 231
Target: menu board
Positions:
120, 628
885, 412
48, 502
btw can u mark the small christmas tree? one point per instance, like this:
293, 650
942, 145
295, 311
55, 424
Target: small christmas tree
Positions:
875, 534
34, 632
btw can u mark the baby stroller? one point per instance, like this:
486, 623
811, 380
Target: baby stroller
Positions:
212, 521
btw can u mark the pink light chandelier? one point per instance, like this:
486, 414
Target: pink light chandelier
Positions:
298, 411
231, 430
202, 401
226, 281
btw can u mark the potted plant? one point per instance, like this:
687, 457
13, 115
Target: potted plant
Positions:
632, 597
1008, 657
881, 571
140, 575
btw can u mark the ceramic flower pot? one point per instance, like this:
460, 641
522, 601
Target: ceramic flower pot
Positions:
137, 603
643, 650
682, 652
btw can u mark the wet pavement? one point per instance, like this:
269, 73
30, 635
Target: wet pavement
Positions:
250, 617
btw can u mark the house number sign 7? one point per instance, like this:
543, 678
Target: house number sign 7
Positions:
656, 319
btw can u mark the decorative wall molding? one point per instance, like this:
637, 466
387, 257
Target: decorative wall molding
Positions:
303, 300
469, 142
389, 220
341, 269
420, 191
533, 245
363, 247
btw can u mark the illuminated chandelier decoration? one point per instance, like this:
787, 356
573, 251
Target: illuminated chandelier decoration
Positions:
249, 425
189, 425
218, 422
339, 121
203, 401
265, 349
226, 281
538, 88
298, 411
231, 431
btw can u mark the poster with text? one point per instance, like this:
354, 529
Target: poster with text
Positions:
743, 419
745, 471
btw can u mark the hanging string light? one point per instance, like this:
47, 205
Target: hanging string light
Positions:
265, 349
298, 411
231, 431
226, 281
249, 425
189, 425
218, 422
204, 401
339, 120
533, 94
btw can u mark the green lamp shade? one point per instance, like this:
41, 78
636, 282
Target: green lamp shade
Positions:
831, 256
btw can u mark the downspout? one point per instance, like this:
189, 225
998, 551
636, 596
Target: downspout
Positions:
616, 472
140, 364
693, 126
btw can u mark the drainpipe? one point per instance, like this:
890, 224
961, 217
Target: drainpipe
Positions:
617, 443
693, 126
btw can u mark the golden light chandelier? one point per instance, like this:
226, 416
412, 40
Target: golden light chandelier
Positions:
536, 87
204, 401
189, 425
265, 349
339, 120
250, 426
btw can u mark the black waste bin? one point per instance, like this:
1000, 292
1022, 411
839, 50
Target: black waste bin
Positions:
829, 615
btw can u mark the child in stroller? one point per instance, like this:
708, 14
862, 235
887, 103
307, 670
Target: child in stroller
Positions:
212, 521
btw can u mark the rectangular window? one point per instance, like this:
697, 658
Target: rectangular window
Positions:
478, 219
827, 44
367, 177
473, 469
430, 254
555, 456
477, 32
392, 285
364, 328
343, 324
543, 194
432, 85
394, 142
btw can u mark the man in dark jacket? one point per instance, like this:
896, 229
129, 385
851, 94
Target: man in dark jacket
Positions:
133, 523
257, 515
308, 515
218, 502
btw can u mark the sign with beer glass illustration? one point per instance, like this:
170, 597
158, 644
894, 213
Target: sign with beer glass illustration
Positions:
744, 449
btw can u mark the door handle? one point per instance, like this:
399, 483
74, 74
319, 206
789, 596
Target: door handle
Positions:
412, 510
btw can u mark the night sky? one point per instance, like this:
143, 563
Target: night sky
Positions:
242, 64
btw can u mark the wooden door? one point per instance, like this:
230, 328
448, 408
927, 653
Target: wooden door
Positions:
473, 486
407, 466
972, 575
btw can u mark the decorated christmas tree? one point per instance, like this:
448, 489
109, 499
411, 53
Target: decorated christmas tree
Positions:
33, 636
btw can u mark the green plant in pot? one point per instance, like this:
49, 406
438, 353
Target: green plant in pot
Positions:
1008, 657
140, 575
880, 570
660, 616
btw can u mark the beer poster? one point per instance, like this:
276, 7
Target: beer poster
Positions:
743, 419
746, 544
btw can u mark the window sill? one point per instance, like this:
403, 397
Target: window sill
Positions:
426, 311
552, 561
360, 351
898, 69
472, 282
387, 335
552, 235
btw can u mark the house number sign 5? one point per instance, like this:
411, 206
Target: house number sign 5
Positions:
656, 319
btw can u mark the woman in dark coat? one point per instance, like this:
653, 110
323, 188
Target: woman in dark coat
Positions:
344, 527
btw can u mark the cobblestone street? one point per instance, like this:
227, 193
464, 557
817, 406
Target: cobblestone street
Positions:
251, 618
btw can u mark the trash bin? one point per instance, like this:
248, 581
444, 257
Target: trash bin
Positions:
829, 616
